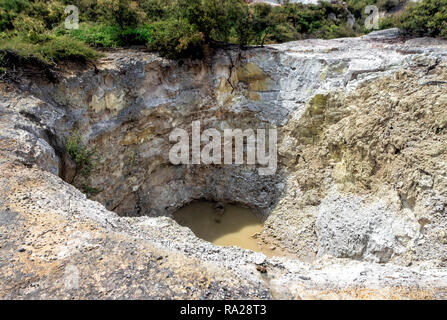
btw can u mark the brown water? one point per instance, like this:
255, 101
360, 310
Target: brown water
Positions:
228, 226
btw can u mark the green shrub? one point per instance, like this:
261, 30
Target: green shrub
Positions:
97, 35
14, 5
9, 9
80, 154
156, 10
24, 49
390, 21
207, 17
49, 51
335, 31
241, 23
85, 160
119, 12
32, 28
176, 39
89, 190
65, 48
426, 18
137, 36
283, 32
13, 12
110, 36
263, 22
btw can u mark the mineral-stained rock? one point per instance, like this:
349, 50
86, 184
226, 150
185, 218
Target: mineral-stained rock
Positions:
358, 203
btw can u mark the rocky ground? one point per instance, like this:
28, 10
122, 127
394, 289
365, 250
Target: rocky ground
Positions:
358, 202
57, 244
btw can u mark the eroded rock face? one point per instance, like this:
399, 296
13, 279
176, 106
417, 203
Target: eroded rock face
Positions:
128, 108
361, 172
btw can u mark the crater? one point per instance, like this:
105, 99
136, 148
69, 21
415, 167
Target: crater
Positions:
342, 188
117, 151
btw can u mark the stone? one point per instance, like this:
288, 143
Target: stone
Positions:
392, 33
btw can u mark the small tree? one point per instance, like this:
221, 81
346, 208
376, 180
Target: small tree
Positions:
263, 22
176, 38
210, 17
82, 156
119, 12
243, 22
426, 18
